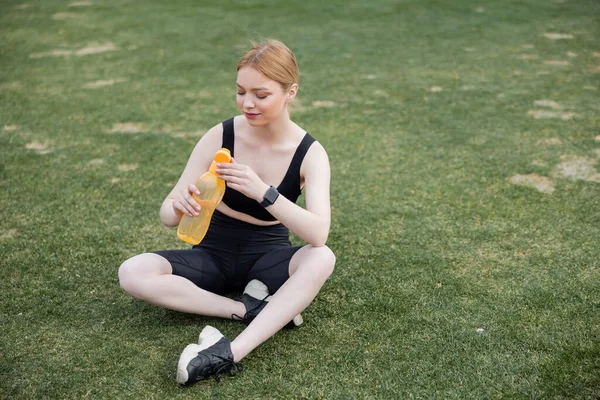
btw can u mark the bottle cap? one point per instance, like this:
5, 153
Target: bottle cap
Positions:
223, 156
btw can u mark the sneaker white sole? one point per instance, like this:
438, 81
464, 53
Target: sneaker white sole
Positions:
207, 338
259, 290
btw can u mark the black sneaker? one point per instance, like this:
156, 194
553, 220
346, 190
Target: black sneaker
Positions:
211, 356
255, 298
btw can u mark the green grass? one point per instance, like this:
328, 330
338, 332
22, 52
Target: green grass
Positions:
451, 281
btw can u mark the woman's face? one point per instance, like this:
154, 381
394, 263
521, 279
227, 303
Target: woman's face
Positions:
260, 99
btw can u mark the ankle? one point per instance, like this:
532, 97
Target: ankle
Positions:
235, 351
239, 310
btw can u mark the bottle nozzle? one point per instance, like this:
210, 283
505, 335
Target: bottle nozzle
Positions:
221, 156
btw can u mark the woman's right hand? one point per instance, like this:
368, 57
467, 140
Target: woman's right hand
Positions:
185, 203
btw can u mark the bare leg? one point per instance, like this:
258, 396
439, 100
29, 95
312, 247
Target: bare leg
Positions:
149, 277
309, 269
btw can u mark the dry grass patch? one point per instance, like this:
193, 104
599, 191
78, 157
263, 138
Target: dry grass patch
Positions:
548, 103
435, 89
10, 128
81, 4
550, 141
38, 147
186, 135
95, 49
8, 235
545, 114
298, 106
558, 36
101, 83
535, 181
577, 169
323, 104
91, 49
557, 63
128, 167
96, 161
128, 127
528, 57
52, 53
63, 15
381, 93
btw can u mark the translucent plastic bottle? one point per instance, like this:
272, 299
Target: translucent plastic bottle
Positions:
212, 188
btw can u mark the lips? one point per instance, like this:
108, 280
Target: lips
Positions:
250, 115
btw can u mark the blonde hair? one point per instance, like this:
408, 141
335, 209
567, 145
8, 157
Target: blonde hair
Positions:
274, 60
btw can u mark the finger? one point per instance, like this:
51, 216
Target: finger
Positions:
193, 189
190, 196
233, 179
189, 203
231, 166
235, 186
179, 205
190, 209
227, 172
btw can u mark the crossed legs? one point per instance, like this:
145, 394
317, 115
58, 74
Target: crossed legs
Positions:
149, 277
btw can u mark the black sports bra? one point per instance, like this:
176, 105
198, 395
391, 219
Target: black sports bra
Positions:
288, 188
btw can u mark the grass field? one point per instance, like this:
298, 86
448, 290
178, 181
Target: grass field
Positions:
464, 139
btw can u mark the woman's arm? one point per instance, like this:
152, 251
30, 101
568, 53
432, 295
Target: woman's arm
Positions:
310, 224
179, 200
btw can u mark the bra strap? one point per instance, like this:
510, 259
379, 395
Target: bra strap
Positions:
228, 135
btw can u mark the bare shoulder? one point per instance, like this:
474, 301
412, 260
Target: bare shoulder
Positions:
205, 149
316, 160
213, 136
317, 152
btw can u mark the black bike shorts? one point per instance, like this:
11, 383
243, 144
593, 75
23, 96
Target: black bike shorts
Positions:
233, 253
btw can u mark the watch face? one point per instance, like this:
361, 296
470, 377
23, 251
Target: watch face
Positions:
270, 197
272, 194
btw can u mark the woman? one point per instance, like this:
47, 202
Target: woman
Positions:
248, 239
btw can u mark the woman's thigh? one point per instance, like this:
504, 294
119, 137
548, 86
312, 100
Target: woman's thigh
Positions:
273, 268
198, 266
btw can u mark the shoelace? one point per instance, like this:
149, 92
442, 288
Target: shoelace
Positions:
245, 317
226, 365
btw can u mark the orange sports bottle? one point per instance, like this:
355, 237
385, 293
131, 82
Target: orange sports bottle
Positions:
212, 188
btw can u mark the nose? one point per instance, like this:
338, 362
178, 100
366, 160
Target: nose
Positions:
248, 102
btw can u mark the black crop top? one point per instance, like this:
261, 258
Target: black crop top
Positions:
288, 188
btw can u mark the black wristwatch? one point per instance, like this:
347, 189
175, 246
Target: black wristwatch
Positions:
270, 196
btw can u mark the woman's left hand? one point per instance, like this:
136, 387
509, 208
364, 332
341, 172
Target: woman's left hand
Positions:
242, 178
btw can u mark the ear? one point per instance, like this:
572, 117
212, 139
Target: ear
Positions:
292, 92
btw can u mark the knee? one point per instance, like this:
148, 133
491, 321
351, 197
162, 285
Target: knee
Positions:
128, 275
132, 273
